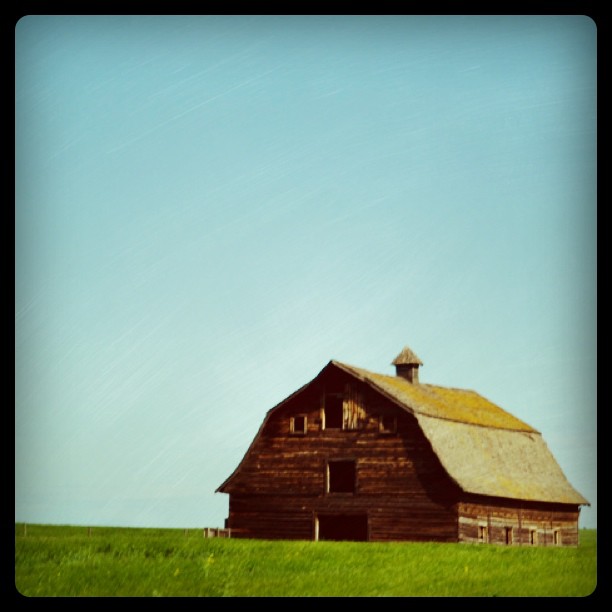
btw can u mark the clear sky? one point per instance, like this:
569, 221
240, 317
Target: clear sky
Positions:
209, 209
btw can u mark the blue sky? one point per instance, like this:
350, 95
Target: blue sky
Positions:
209, 209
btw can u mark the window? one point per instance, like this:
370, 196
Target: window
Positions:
482, 533
508, 535
533, 537
298, 424
341, 476
387, 424
557, 537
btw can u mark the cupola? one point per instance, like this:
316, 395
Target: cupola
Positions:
407, 365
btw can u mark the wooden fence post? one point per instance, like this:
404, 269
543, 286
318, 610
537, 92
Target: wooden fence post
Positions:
216, 532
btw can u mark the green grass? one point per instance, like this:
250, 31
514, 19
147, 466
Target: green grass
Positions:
66, 561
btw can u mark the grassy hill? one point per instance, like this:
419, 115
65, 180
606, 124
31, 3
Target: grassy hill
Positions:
73, 561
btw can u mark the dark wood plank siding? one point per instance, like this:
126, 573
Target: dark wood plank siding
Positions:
281, 485
389, 518
531, 523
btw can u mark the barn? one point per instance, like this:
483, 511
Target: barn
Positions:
357, 455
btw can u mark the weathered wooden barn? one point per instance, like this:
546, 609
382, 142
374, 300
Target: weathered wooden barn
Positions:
355, 455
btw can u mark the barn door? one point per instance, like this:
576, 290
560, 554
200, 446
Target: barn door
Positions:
342, 527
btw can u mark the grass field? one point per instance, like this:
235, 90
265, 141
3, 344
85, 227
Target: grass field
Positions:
68, 561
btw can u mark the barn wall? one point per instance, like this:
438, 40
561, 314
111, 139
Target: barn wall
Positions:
389, 518
531, 524
280, 486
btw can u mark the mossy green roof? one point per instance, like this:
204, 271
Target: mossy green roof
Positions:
459, 405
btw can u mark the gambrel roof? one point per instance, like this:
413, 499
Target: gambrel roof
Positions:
483, 448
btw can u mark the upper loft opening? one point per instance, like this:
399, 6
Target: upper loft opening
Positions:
334, 412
